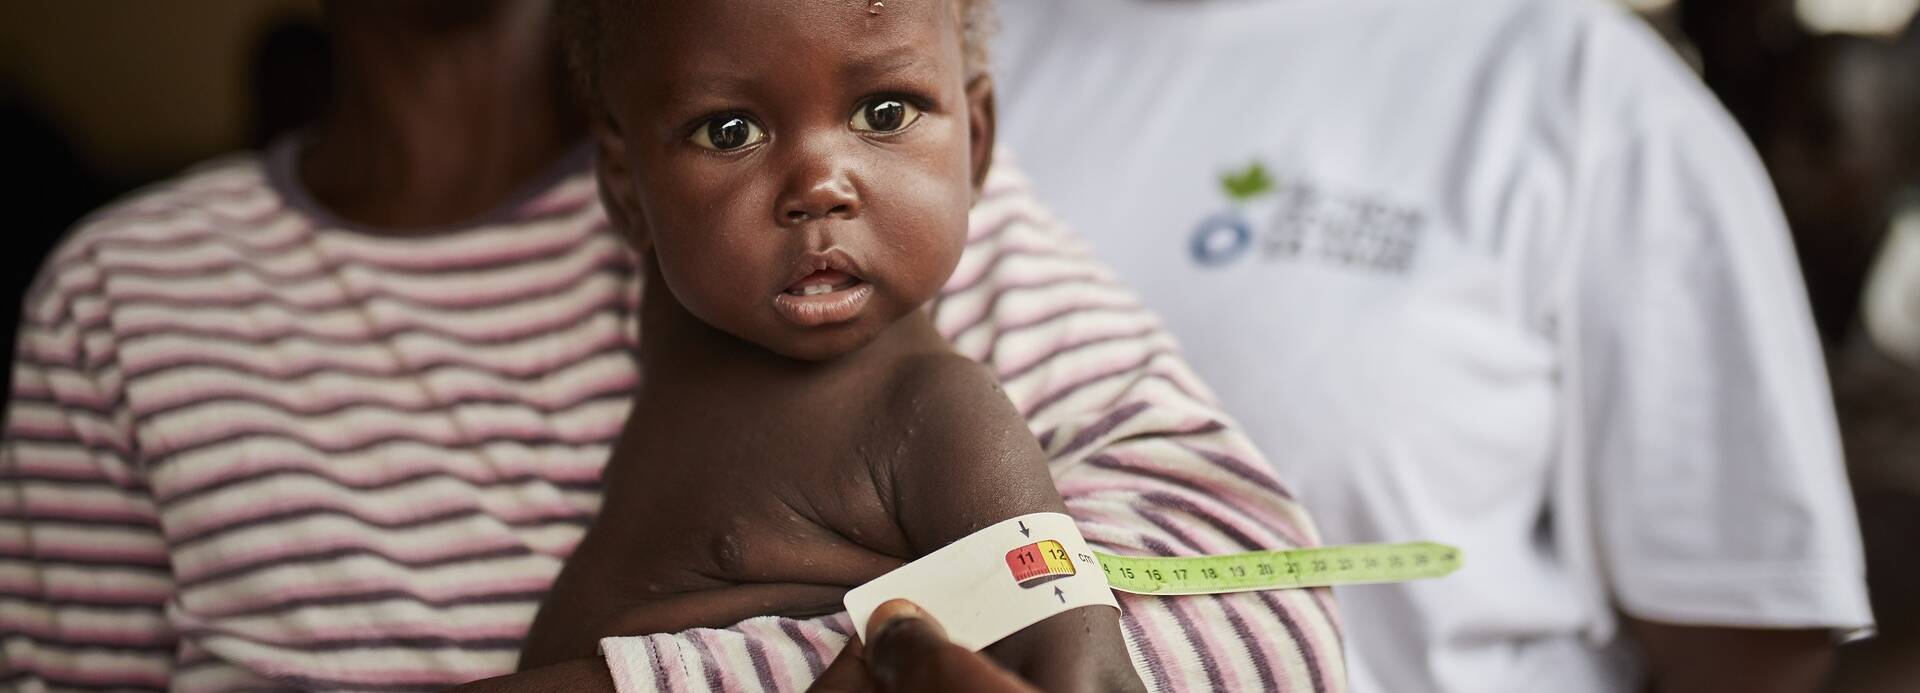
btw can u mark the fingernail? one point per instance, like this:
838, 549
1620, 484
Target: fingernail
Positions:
888, 621
891, 615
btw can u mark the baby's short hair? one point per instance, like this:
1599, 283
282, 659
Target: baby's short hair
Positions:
581, 23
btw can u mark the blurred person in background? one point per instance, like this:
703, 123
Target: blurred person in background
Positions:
1499, 273
325, 415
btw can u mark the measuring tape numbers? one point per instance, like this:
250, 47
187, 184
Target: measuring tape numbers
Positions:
1353, 564
1015, 573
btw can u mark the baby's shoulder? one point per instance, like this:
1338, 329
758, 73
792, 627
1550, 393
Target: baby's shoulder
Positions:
966, 457
944, 389
948, 406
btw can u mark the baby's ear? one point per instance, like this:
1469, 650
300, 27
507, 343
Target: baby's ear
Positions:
618, 189
981, 120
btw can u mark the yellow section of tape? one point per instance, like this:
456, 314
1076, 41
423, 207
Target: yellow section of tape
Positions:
1352, 564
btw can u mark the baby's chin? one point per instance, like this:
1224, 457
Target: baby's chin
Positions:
820, 344
878, 311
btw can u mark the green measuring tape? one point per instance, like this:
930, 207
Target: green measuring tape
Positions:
1352, 564
1049, 568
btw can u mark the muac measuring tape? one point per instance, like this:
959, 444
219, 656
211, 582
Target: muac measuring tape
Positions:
1015, 573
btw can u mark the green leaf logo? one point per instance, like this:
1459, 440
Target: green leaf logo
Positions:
1247, 183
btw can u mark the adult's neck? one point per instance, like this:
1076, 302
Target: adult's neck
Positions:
442, 109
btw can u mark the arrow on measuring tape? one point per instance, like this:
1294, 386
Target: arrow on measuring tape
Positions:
1351, 564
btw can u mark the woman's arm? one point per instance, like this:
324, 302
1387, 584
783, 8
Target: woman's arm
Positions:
84, 568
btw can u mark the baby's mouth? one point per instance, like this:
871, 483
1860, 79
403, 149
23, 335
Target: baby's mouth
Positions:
823, 282
823, 297
828, 294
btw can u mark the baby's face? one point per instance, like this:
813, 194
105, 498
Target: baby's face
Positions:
801, 169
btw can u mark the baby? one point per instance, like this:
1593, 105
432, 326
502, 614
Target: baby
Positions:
796, 175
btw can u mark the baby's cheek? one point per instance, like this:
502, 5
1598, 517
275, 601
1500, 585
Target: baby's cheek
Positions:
715, 285
940, 230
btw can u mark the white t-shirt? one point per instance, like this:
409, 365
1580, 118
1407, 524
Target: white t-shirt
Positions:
1498, 273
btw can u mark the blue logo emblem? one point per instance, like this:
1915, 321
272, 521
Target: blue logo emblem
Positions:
1221, 238
1227, 235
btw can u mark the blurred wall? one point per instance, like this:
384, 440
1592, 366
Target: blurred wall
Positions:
143, 88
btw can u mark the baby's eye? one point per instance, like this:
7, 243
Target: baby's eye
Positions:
727, 133
884, 115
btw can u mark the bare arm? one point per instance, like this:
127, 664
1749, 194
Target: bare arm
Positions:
972, 462
1694, 659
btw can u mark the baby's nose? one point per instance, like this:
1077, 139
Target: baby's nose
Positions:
821, 193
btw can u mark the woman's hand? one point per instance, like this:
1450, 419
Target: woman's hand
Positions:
909, 651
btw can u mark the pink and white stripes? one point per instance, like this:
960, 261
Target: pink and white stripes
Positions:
250, 448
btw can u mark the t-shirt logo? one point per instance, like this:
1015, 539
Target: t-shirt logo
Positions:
1292, 219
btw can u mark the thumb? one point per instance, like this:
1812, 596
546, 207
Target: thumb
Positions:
907, 650
900, 637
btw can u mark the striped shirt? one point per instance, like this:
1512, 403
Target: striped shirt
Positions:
252, 446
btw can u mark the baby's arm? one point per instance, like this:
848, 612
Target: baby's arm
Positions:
970, 462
